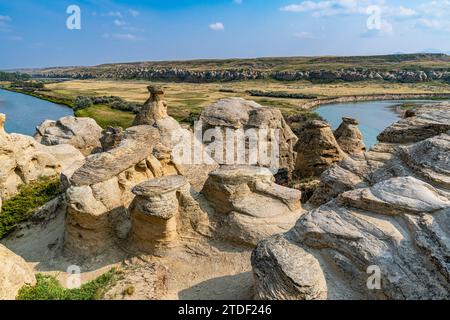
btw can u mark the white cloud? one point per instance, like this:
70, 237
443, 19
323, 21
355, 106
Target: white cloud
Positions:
406, 12
329, 7
304, 35
116, 14
134, 13
119, 23
238, 1
434, 24
15, 38
218, 26
5, 18
122, 36
440, 8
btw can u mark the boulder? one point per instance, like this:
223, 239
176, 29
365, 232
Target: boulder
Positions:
349, 137
23, 160
317, 149
236, 114
82, 133
14, 274
382, 234
237, 194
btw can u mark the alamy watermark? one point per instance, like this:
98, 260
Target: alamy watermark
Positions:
227, 146
73, 22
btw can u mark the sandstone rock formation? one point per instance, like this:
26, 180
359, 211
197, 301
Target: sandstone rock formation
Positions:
111, 138
14, 274
380, 231
154, 214
349, 137
317, 149
100, 191
24, 160
154, 109
82, 133
249, 205
236, 114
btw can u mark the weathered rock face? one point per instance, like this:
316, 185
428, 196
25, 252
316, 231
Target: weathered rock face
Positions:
239, 114
24, 160
249, 205
389, 213
99, 192
317, 149
426, 123
349, 137
154, 109
82, 133
14, 274
111, 138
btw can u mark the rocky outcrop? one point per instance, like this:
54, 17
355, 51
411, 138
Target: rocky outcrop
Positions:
317, 149
23, 160
349, 137
249, 206
237, 114
99, 193
82, 133
426, 123
380, 231
14, 274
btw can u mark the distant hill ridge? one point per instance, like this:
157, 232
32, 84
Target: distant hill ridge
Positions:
397, 68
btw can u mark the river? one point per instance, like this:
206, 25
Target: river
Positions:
24, 113
373, 116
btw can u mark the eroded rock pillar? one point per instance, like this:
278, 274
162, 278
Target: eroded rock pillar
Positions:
154, 214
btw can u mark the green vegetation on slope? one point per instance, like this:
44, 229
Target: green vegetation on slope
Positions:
48, 288
13, 76
20, 207
106, 116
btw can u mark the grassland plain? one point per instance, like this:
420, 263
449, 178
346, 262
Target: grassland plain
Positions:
186, 98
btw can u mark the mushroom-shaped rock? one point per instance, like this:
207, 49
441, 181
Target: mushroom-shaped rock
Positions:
349, 137
154, 109
249, 205
154, 213
317, 149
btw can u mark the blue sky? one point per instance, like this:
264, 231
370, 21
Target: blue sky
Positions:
34, 33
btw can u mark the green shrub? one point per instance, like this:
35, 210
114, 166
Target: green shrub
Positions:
82, 102
48, 288
20, 207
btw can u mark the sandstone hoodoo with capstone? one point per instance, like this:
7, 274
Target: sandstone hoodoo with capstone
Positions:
392, 217
248, 205
349, 137
154, 214
82, 133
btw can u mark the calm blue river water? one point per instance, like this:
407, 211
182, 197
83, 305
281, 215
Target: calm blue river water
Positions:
24, 113
373, 116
